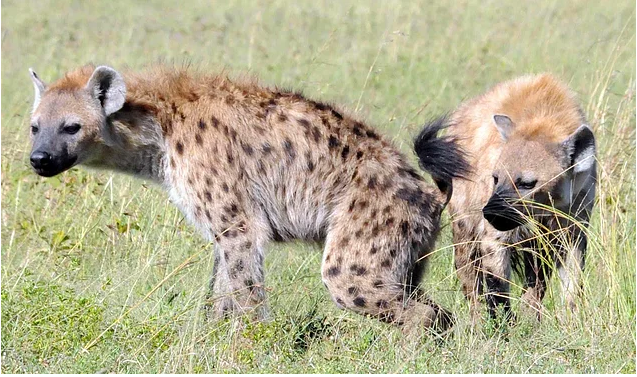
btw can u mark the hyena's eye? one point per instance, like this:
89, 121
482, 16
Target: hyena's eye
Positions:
34, 129
71, 128
525, 185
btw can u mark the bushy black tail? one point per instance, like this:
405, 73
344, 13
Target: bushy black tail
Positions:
441, 156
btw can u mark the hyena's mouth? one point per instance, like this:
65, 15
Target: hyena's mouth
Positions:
502, 215
54, 167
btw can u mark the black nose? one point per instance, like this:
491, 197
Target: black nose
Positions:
501, 214
40, 159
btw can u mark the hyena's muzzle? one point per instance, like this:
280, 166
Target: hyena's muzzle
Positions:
504, 210
49, 155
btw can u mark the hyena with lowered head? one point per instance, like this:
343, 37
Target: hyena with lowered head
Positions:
527, 201
248, 165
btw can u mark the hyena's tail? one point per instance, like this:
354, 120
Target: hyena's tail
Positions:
441, 156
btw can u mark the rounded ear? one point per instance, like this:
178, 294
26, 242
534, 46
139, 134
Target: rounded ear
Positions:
580, 149
504, 124
39, 87
107, 86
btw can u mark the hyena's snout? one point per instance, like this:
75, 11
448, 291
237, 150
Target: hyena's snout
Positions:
501, 211
48, 162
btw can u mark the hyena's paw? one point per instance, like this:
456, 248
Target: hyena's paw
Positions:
531, 306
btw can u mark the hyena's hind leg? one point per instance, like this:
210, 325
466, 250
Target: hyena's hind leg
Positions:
374, 277
237, 284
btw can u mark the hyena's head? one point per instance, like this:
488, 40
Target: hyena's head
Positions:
535, 173
68, 118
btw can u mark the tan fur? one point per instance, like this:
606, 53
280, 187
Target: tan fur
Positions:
545, 114
248, 164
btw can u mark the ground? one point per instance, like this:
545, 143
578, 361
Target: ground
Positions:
100, 273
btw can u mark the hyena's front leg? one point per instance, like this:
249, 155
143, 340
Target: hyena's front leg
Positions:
467, 263
537, 271
237, 284
570, 265
496, 269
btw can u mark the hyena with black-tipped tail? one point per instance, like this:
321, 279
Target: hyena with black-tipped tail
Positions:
527, 202
248, 165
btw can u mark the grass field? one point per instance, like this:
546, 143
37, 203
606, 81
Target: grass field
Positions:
100, 273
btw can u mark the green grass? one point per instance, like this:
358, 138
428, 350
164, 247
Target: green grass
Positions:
92, 258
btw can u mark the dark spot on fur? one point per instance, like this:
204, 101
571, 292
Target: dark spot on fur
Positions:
375, 231
363, 204
392, 253
172, 163
289, 149
202, 125
198, 139
239, 265
353, 291
387, 210
404, 227
247, 245
351, 205
378, 283
373, 250
359, 155
389, 221
358, 270
386, 263
214, 122
371, 184
310, 163
320, 106
230, 157
225, 187
358, 233
208, 196
372, 134
208, 215
357, 131
231, 234
247, 149
344, 242
316, 133
382, 304
180, 147
266, 148
304, 123
345, 152
411, 196
248, 282
336, 114
360, 302
340, 302
283, 118
334, 271
333, 142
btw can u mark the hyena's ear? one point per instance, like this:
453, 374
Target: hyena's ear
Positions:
39, 87
504, 124
580, 149
108, 87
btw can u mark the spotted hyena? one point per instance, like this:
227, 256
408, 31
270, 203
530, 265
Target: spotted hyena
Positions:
529, 197
248, 165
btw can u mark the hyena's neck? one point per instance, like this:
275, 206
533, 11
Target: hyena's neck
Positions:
134, 144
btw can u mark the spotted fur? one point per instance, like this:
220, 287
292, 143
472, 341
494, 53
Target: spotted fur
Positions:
248, 165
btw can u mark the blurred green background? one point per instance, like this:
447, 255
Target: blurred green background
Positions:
92, 258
